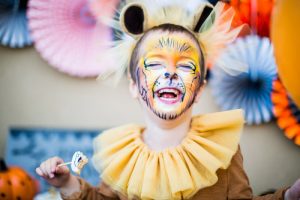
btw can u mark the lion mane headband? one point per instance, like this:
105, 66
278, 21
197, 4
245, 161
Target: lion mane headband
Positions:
211, 25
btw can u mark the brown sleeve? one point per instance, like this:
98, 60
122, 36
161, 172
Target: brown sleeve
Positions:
239, 187
87, 192
278, 195
238, 182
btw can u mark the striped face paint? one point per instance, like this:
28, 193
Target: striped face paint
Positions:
168, 74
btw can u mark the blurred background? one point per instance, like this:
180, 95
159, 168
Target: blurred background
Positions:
52, 104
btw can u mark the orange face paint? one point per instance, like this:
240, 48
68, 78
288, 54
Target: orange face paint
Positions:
168, 74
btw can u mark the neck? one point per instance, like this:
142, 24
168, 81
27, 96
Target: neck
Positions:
162, 134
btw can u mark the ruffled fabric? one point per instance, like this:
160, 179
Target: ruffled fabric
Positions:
129, 167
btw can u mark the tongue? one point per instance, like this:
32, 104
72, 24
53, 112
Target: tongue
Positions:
168, 95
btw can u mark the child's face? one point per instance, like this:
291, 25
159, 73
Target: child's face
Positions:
168, 73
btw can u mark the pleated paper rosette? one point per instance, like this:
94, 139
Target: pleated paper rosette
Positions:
250, 90
286, 112
13, 24
256, 13
68, 36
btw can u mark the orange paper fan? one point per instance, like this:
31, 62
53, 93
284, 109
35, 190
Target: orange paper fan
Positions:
256, 13
286, 112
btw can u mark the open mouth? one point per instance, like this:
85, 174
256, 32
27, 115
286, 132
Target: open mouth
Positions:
169, 95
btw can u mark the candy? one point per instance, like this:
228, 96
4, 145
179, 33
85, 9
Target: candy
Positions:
78, 162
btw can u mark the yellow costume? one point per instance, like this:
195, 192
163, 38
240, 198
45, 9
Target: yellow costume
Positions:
206, 165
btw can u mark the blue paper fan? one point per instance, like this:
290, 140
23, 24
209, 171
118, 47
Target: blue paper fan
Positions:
250, 91
13, 23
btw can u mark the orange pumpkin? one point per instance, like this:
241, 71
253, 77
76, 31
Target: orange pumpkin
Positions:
15, 183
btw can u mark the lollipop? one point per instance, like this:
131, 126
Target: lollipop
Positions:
77, 163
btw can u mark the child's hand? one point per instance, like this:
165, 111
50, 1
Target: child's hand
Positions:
54, 175
293, 193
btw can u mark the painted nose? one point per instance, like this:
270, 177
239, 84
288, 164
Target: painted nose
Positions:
167, 75
171, 75
171, 68
171, 71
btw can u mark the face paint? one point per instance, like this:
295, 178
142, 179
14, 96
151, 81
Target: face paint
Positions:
168, 74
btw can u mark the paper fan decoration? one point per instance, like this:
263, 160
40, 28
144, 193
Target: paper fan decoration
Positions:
68, 36
104, 8
13, 24
250, 91
286, 112
256, 13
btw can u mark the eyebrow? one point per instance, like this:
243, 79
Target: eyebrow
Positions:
171, 43
157, 55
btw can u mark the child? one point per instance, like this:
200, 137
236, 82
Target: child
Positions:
176, 156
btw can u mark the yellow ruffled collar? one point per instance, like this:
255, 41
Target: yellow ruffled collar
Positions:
129, 167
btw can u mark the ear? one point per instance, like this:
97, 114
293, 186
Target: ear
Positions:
200, 92
203, 12
133, 89
133, 19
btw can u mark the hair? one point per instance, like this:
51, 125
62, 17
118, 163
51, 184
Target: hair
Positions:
171, 28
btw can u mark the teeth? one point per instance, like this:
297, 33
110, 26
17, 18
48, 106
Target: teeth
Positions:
176, 92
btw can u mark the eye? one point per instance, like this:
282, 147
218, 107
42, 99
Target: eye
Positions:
153, 66
186, 67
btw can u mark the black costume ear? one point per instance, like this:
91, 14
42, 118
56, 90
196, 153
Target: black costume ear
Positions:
203, 12
133, 19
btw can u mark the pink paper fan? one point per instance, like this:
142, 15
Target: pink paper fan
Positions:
106, 8
68, 36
